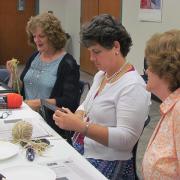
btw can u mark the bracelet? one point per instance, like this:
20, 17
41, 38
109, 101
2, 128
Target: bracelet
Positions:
86, 128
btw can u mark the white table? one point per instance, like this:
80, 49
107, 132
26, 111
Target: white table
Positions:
61, 157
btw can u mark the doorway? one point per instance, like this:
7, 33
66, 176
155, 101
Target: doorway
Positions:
89, 9
13, 38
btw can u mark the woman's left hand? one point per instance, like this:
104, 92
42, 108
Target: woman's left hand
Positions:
68, 120
33, 103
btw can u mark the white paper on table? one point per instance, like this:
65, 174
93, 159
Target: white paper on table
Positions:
69, 169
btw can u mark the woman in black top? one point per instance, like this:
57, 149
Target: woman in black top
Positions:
51, 73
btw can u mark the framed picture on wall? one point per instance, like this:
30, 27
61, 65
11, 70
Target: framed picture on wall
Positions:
150, 10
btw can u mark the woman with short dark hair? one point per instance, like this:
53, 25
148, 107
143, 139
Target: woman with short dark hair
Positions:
113, 114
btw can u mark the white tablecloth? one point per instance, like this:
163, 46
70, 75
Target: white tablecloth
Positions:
60, 157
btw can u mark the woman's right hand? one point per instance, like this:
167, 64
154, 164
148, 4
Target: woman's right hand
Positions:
9, 66
68, 121
14, 82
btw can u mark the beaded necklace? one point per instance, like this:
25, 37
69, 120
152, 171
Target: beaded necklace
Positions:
93, 96
109, 79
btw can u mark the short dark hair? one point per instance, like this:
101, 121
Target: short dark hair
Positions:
104, 30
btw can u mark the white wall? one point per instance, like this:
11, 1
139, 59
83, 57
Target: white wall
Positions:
68, 11
141, 31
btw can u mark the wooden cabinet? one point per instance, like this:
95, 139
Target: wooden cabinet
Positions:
89, 9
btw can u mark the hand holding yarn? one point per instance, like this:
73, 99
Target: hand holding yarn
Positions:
14, 66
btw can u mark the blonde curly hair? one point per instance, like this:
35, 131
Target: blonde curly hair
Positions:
51, 27
162, 53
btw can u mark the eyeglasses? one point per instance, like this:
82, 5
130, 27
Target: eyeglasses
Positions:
5, 114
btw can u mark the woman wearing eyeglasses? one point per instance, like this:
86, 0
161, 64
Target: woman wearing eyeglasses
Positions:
162, 156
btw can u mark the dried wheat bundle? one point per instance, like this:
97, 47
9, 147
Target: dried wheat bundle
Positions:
22, 131
22, 134
15, 84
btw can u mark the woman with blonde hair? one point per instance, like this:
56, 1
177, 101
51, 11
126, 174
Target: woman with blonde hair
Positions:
162, 156
50, 73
